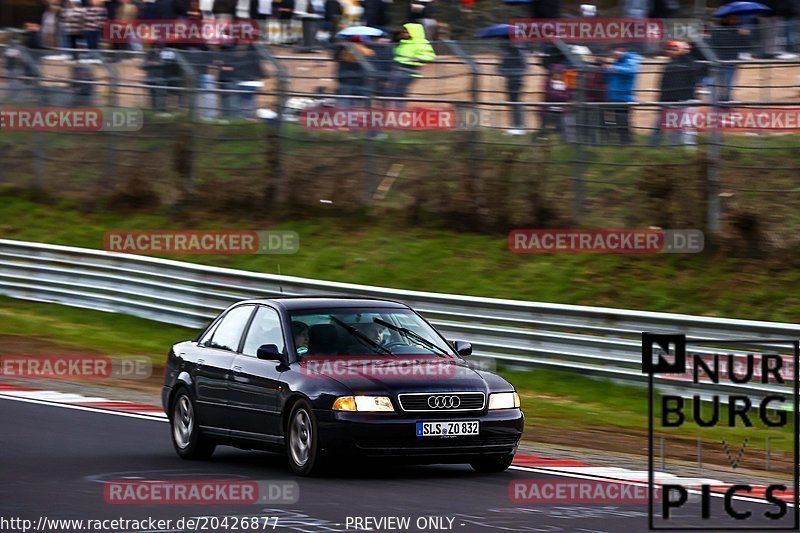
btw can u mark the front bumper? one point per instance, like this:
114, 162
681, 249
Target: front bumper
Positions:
394, 435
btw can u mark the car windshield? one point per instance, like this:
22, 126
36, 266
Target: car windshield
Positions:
371, 331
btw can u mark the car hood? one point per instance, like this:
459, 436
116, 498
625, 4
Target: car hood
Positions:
390, 375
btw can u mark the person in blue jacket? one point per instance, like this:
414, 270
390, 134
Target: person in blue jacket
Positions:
620, 76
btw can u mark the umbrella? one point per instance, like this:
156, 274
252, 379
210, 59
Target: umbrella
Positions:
366, 31
498, 30
741, 8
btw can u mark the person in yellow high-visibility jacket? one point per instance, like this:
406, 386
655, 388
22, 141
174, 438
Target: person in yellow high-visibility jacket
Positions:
412, 51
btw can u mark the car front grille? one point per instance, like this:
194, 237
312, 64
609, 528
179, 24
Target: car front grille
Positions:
442, 401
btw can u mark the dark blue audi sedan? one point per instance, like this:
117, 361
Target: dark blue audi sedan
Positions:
322, 378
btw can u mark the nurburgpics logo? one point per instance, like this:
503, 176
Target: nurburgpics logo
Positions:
729, 393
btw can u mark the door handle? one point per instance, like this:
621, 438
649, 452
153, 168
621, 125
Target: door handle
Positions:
201, 361
237, 369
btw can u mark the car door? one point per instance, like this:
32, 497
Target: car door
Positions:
215, 355
255, 382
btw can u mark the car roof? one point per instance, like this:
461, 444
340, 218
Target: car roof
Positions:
294, 303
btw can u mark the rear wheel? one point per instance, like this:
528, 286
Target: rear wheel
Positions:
492, 463
187, 439
302, 441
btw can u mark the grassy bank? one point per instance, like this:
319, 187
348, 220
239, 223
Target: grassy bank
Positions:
367, 250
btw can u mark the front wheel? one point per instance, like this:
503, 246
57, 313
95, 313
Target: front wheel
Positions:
302, 441
187, 439
491, 464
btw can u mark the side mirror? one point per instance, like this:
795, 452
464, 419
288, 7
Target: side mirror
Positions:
270, 352
462, 347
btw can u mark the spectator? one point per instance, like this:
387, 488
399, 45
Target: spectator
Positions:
382, 60
236, 65
546, 9
777, 26
351, 76
224, 9
72, 17
664, 9
727, 40
127, 11
285, 10
48, 30
181, 8
261, 10
376, 14
422, 12
620, 78
595, 91
677, 85
95, 19
411, 52
513, 65
333, 18
555, 92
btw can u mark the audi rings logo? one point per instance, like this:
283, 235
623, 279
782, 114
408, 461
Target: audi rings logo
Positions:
444, 402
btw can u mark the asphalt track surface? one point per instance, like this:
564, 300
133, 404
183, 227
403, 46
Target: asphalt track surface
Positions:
54, 461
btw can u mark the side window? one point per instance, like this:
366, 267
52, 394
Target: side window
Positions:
227, 335
265, 329
206, 338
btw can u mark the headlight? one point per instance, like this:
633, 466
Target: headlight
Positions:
503, 400
363, 403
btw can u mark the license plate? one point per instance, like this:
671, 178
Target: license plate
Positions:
448, 429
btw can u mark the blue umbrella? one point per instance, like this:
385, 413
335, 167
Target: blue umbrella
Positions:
366, 31
741, 8
498, 30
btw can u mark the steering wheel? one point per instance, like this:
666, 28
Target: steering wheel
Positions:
395, 344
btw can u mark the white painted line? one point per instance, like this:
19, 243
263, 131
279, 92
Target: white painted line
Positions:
4, 396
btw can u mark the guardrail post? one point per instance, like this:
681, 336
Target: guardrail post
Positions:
279, 183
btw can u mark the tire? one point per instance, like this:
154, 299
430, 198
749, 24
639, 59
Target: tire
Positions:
492, 464
187, 439
302, 441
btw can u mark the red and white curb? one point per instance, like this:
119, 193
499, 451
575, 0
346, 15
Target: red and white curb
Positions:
522, 462
78, 400
579, 469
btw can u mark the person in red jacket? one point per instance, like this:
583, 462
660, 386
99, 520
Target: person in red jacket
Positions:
555, 92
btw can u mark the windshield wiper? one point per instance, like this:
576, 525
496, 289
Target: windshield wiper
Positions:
416, 336
360, 336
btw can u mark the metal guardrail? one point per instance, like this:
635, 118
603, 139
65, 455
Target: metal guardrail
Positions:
592, 340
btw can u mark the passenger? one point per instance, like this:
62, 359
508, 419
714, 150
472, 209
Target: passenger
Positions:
301, 340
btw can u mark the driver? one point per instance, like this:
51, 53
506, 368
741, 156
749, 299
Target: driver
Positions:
376, 332
300, 333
